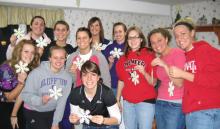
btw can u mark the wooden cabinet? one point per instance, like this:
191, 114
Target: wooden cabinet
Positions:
210, 28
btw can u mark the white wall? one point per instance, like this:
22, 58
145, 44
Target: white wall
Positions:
79, 18
113, 5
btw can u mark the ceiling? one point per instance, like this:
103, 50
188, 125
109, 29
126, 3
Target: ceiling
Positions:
173, 2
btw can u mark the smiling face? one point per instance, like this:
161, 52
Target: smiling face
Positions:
159, 43
184, 37
61, 32
134, 41
90, 79
95, 28
119, 34
83, 41
27, 53
37, 27
57, 59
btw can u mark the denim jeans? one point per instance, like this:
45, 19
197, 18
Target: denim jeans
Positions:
103, 127
114, 91
138, 116
204, 119
169, 115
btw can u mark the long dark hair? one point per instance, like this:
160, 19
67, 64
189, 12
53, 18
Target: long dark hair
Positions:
101, 33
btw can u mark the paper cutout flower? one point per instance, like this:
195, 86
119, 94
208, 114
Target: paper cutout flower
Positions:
135, 77
84, 116
78, 63
99, 46
116, 52
41, 42
55, 92
21, 67
171, 88
19, 33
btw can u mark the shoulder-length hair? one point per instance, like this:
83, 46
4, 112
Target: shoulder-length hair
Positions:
16, 55
140, 35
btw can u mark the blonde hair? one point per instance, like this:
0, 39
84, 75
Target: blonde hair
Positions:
16, 55
187, 21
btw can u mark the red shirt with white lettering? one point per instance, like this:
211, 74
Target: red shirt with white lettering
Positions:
136, 88
204, 92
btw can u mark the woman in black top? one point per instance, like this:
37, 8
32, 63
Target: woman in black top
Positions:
61, 32
93, 104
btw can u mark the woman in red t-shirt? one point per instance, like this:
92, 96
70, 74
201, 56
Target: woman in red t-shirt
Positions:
136, 82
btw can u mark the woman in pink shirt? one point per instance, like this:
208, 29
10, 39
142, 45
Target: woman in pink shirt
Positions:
168, 108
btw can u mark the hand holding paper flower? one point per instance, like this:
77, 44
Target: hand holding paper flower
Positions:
84, 116
21, 67
78, 63
99, 46
55, 92
19, 33
41, 42
116, 52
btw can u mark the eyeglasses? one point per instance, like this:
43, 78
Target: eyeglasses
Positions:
133, 38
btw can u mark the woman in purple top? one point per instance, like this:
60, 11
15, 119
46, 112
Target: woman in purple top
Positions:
114, 51
11, 83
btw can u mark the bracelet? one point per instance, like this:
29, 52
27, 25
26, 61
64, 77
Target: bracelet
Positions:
13, 116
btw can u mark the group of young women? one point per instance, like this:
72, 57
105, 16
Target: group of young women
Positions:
86, 85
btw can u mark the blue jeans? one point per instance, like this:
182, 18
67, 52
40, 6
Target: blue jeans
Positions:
169, 115
102, 127
114, 91
204, 119
140, 115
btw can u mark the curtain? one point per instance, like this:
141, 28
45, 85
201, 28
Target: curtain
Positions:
19, 15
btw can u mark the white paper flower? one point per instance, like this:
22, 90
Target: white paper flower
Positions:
116, 52
78, 63
171, 88
41, 42
21, 67
134, 77
84, 116
19, 33
55, 92
99, 46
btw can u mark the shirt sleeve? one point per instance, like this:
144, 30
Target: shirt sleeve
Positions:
208, 70
115, 112
74, 95
109, 98
104, 68
60, 107
29, 94
119, 69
